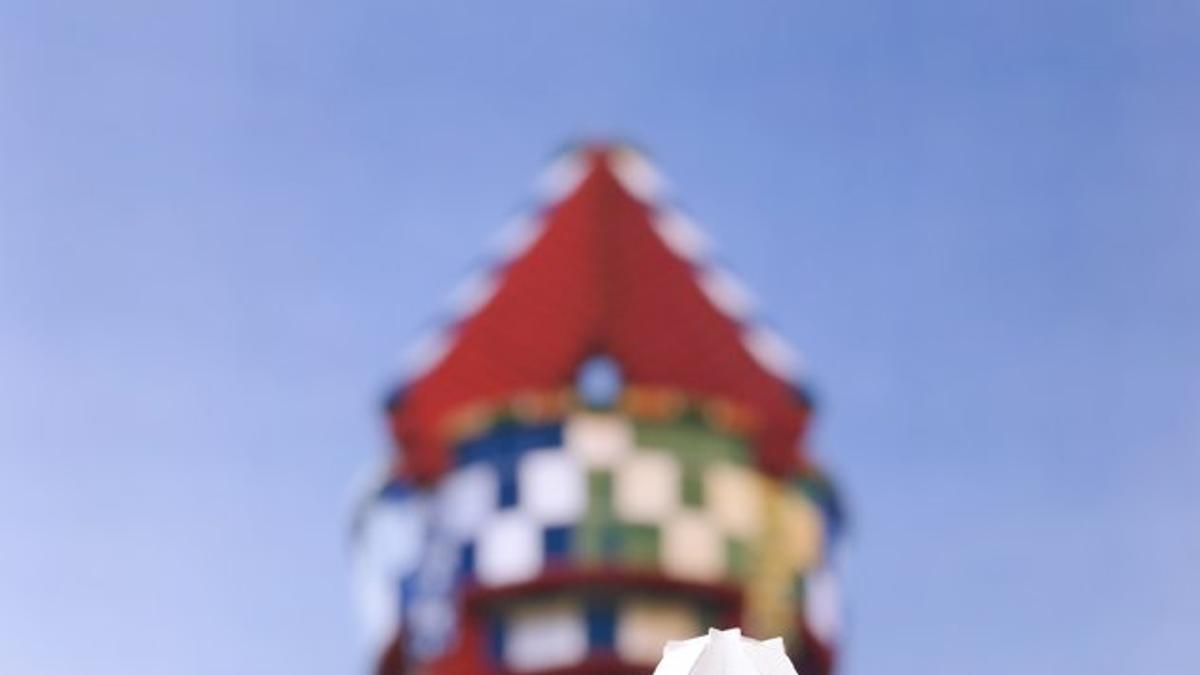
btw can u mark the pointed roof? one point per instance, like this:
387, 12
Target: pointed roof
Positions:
606, 269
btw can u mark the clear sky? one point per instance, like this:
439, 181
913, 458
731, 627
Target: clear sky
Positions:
222, 221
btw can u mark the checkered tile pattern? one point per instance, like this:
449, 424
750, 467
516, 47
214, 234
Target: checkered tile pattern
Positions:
679, 498
598, 489
673, 497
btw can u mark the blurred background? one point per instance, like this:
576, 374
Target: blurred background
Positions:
222, 222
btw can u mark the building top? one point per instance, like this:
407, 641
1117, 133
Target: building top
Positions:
605, 269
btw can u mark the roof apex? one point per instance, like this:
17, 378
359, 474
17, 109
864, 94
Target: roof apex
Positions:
607, 267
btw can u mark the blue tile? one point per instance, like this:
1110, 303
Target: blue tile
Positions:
506, 468
484, 449
538, 436
466, 560
495, 638
601, 623
556, 542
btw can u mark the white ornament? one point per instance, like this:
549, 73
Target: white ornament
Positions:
725, 652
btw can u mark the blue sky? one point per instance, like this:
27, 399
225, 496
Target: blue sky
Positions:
221, 222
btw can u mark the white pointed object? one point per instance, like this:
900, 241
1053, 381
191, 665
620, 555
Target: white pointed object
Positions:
725, 652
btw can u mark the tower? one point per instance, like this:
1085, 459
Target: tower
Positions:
603, 451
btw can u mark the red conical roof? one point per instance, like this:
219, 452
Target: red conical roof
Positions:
603, 274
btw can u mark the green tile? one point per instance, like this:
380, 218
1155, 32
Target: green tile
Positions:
594, 540
693, 440
639, 545
600, 493
737, 558
693, 482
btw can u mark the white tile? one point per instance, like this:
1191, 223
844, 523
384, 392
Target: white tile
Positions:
645, 626
509, 550
693, 548
733, 496
647, 487
599, 441
545, 636
467, 498
552, 485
